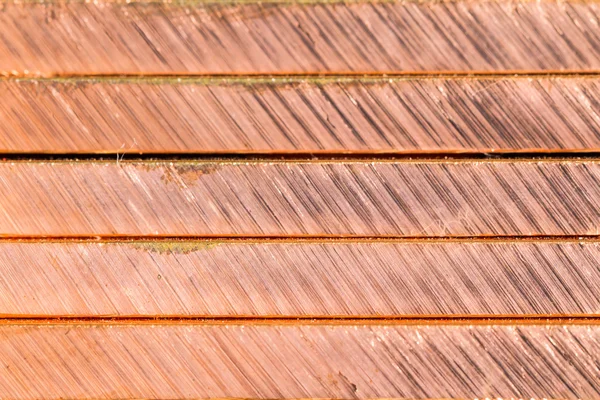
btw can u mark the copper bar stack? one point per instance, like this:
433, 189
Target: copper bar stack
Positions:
322, 199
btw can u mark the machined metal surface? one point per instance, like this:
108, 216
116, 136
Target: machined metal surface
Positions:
105, 37
308, 115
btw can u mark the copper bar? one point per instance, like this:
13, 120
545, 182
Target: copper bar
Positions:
105, 37
300, 198
299, 278
290, 361
309, 115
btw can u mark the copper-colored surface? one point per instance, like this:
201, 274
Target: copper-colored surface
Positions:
320, 277
300, 115
103, 37
284, 362
288, 279
362, 198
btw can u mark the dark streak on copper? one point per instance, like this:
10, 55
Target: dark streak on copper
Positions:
195, 38
285, 362
378, 198
299, 279
300, 116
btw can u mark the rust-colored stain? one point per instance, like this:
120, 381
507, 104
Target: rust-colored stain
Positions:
185, 174
61, 38
300, 115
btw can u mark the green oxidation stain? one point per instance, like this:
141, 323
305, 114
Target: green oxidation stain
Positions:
258, 85
249, 81
174, 247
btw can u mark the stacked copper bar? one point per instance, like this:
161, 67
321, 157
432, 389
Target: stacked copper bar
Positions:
299, 200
